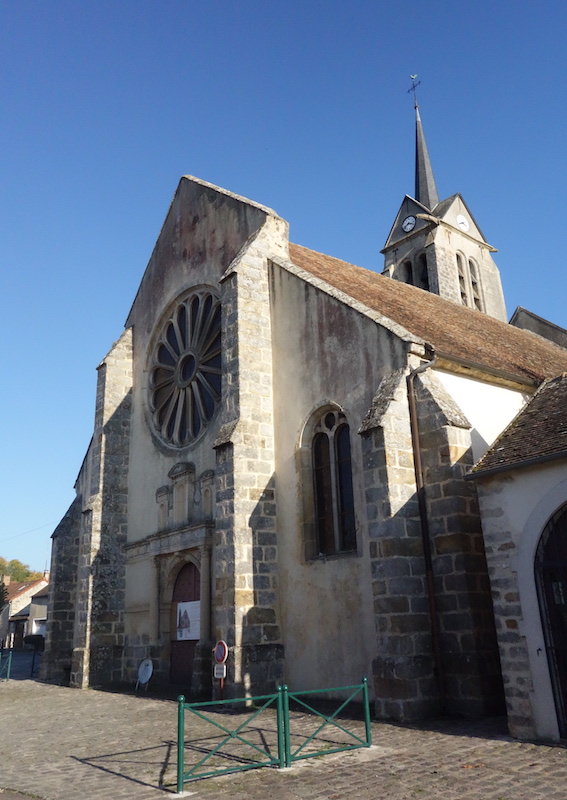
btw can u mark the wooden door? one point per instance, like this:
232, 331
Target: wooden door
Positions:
184, 636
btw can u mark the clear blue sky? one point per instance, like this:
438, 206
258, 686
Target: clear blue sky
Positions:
301, 106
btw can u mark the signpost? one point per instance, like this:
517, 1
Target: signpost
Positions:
220, 653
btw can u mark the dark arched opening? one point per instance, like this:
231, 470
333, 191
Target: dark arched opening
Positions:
551, 581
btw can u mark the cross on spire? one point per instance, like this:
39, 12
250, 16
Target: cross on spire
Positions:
425, 188
413, 88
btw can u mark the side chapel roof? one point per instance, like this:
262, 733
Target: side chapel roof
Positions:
538, 433
454, 331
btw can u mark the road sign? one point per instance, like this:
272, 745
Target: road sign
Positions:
221, 652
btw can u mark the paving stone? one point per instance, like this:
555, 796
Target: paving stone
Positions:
67, 744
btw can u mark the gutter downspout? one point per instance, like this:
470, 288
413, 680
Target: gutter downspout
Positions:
426, 540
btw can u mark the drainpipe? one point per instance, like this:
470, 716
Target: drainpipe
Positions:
426, 540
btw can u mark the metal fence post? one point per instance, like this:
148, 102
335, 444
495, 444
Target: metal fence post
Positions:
286, 726
366, 712
180, 742
281, 728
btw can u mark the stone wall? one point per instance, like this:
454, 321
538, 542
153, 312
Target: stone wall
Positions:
245, 579
403, 669
407, 682
471, 664
501, 543
56, 660
99, 626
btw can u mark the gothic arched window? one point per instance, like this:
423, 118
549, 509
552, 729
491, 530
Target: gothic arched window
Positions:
332, 485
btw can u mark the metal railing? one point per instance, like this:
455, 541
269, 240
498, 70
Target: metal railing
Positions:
359, 691
5, 665
246, 746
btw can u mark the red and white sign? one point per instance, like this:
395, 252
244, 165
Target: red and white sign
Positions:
221, 652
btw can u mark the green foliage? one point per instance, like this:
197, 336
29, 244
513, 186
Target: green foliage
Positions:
17, 571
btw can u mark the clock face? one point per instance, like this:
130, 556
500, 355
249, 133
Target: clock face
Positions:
408, 224
462, 222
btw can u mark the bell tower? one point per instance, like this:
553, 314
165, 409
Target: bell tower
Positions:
437, 245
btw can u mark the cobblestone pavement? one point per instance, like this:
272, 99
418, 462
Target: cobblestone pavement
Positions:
64, 744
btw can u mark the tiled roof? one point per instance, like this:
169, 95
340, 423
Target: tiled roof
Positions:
537, 433
16, 589
451, 329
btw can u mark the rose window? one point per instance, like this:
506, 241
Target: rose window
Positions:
185, 373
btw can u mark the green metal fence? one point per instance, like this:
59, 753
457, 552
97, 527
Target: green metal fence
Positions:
283, 737
5, 665
349, 739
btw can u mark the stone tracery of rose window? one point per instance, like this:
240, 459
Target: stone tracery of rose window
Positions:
185, 372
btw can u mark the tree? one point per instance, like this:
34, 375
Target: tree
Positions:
17, 571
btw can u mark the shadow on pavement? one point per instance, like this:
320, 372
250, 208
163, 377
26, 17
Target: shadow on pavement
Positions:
134, 765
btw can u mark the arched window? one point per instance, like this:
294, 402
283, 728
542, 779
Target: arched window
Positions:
551, 581
463, 282
475, 286
332, 485
404, 273
421, 275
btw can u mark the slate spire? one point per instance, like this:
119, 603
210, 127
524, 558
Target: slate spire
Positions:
425, 188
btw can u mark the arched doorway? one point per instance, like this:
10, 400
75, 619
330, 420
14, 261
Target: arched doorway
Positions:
551, 581
185, 625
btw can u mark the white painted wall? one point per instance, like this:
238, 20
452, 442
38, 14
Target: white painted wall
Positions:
488, 408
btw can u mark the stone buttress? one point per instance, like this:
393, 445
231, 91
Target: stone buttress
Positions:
88, 553
245, 562
407, 683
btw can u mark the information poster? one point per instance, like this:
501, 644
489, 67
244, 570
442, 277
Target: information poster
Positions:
189, 620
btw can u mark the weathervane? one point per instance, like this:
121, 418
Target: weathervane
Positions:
412, 88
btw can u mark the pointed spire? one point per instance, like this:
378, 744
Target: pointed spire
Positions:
425, 188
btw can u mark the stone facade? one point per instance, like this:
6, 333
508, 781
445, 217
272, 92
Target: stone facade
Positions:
205, 464
246, 564
451, 255
85, 632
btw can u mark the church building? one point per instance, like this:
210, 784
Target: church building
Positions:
278, 461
